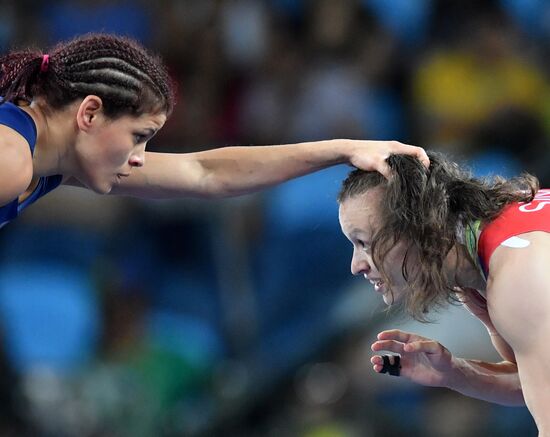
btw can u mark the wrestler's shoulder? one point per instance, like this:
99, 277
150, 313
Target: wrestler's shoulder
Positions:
16, 169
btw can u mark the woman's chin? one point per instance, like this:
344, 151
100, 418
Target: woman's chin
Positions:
391, 297
98, 187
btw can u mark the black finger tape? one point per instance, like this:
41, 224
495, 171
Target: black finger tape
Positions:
393, 369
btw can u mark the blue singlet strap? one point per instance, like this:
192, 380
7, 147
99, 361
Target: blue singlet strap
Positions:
17, 119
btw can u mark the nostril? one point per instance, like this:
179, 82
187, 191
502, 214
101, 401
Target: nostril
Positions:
357, 270
136, 162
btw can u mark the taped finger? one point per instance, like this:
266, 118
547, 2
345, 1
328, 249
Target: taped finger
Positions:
394, 369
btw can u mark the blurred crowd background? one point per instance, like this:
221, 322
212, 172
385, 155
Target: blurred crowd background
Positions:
239, 317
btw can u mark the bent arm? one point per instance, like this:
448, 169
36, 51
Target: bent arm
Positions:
428, 362
493, 382
477, 306
232, 171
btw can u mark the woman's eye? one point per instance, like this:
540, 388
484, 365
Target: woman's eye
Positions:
364, 246
138, 138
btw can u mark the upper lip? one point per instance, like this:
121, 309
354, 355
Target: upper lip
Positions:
374, 280
124, 174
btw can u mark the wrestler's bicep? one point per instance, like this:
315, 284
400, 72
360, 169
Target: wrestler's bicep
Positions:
518, 298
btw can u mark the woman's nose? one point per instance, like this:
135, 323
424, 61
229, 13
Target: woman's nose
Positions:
360, 264
137, 159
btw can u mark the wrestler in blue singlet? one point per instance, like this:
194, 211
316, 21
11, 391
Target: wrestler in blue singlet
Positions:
18, 120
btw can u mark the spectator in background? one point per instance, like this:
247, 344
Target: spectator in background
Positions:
532, 16
509, 141
345, 78
67, 19
408, 20
7, 24
458, 88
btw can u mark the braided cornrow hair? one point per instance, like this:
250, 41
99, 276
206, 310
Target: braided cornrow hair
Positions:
127, 78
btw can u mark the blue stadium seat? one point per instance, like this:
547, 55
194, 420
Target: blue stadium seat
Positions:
48, 314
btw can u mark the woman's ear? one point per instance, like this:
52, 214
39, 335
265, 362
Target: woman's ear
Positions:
88, 111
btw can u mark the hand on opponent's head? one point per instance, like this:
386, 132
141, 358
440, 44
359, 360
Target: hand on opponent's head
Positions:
373, 155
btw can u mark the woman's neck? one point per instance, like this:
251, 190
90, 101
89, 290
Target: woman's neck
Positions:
467, 272
55, 133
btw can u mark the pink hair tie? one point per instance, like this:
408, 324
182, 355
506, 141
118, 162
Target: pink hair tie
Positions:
45, 63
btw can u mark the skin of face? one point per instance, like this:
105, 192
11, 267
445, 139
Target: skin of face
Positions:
359, 220
108, 150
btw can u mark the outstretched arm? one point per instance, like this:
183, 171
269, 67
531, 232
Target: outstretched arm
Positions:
232, 171
427, 362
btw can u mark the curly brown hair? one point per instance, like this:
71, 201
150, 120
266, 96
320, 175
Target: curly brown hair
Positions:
127, 78
425, 208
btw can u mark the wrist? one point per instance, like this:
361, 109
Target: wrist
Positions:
455, 378
343, 149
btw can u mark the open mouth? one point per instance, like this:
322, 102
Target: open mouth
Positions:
378, 284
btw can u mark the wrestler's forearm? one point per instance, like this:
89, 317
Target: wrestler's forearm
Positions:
237, 170
493, 382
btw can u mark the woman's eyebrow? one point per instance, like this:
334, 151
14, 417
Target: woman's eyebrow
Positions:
148, 132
